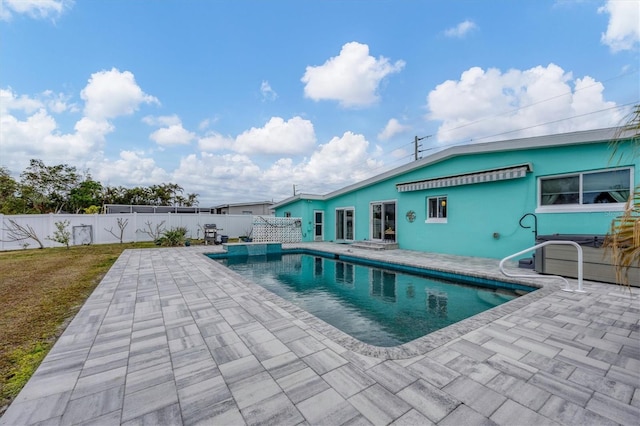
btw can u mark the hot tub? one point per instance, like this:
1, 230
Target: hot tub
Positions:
563, 259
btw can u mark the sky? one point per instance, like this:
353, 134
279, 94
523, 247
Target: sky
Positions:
242, 101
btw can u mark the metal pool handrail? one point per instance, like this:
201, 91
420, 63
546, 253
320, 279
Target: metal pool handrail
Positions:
546, 243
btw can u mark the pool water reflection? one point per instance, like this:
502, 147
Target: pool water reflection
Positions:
381, 307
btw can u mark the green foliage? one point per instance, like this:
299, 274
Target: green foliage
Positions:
61, 235
25, 363
53, 189
87, 193
166, 194
173, 237
91, 210
623, 239
10, 201
47, 188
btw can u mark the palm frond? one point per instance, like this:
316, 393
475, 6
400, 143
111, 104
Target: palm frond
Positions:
623, 239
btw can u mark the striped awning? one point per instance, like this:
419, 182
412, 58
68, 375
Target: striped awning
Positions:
504, 173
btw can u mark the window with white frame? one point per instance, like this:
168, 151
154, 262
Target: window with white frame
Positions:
437, 209
585, 191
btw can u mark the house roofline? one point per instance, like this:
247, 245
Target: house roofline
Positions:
252, 203
534, 142
297, 197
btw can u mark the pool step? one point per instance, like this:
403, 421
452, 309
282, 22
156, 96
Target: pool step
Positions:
375, 245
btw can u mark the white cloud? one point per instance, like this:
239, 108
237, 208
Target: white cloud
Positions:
172, 135
38, 136
278, 137
268, 94
33, 132
53, 102
58, 102
295, 136
220, 178
163, 120
172, 132
28, 134
38, 9
351, 78
523, 103
214, 141
392, 128
28, 130
460, 30
204, 124
111, 94
9, 101
342, 160
623, 30
130, 169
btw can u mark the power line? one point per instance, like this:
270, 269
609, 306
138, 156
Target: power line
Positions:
554, 121
570, 92
416, 146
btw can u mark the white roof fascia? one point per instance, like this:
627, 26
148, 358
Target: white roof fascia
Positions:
535, 142
298, 197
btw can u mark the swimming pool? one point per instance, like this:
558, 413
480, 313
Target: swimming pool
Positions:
378, 304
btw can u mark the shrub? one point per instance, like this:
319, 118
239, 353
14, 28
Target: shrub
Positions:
173, 237
61, 235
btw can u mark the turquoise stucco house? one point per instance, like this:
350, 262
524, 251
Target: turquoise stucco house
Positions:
484, 199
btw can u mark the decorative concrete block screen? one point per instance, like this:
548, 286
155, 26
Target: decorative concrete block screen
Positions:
281, 229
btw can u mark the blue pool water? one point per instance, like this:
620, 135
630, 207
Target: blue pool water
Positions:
381, 307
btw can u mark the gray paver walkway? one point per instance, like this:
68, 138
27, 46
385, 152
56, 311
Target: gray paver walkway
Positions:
171, 337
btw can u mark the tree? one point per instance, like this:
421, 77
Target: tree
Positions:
62, 234
122, 224
91, 210
154, 231
47, 188
17, 232
138, 196
190, 201
623, 239
87, 193
52, 189
114, 195
10, 200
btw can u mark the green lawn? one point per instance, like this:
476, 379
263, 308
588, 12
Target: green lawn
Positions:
41, 291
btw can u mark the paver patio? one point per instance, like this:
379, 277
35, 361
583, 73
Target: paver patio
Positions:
172, 337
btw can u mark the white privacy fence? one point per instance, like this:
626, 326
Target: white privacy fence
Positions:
135, 227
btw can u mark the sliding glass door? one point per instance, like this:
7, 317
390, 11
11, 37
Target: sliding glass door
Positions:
383, 221
344, 224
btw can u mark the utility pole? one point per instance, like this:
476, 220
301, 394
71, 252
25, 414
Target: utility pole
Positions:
416, 146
